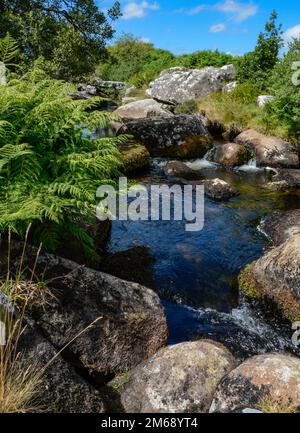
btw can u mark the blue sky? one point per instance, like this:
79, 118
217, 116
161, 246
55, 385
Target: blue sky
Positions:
184, 26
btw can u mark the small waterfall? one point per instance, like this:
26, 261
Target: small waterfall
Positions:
251, 166
205, 162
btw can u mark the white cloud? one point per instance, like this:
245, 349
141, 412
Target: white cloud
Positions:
290, 34
196, 10
134, 9
217, 28
238, 11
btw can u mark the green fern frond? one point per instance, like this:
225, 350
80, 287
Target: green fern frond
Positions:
49, 169
8, 49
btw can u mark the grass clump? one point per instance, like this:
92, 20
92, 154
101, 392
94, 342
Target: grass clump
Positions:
277, 405
238, 110
19, 383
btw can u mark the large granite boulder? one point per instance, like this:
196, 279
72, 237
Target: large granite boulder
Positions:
178, 85
59, 389
129, 321
280, 227
269, 151
142, 109
178, 379
275, 277
269, 383
231, 155
182, 136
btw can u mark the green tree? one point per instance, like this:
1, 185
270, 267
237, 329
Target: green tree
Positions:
285, 86
125, 58
59, 31
256, 65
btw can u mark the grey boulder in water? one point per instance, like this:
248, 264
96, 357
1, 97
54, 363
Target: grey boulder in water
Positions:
269, 151
275, 277
182, 136
280, 227
231, 155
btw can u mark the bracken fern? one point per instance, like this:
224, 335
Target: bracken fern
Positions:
50, 165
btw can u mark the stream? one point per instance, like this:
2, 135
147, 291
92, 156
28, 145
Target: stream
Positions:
195, 273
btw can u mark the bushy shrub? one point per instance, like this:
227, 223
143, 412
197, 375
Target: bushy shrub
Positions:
201, 59
125, 59
245, 93
285, 86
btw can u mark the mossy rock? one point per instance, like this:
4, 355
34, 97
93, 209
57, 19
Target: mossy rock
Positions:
135, 157
273, 280
248, 284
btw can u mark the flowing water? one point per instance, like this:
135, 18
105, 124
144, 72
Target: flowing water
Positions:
195, 273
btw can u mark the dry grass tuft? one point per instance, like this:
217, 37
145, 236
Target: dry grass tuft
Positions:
19, 384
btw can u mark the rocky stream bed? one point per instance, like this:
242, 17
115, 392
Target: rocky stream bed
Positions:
169, 320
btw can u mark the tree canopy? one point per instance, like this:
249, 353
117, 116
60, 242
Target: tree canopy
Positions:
256, 65
69, 34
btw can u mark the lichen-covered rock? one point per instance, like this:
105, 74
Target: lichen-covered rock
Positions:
280, 227
269, 151
178, 379
178, 85
270, 383
114, 85
130, 322
178, 169
230, 87
285, 179
142, 109
231, 155
276, 277
182, 136
135, 157
60, 389
219, 190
